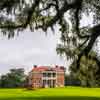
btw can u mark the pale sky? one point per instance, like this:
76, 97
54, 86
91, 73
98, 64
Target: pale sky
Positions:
32, 48
28, 49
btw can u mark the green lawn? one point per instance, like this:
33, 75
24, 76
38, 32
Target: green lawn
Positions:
67, 93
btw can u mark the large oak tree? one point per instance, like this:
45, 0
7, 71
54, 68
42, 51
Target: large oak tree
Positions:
17, 15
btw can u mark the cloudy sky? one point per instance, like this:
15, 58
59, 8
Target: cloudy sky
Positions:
31, 48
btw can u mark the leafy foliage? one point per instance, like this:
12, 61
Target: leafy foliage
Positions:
15, 78
87, 72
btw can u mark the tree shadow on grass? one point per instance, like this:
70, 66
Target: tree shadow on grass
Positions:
52, 98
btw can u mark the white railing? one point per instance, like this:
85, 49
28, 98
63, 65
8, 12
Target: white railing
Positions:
48, 78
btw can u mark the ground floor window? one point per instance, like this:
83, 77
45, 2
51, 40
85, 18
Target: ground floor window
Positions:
49, 83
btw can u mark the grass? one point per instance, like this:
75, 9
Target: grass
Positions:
66, 93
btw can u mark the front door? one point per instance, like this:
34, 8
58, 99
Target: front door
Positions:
52, 83
45, 83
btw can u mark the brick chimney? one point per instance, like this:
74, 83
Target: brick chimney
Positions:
56, 66
35, 66
63, 68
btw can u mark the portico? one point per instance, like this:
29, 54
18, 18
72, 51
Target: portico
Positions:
49, 79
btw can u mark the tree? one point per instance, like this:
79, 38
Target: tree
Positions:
17, 15
15, 78
87, 72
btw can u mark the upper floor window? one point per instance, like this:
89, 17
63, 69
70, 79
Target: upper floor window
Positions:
49, 74
54, 74
44, 75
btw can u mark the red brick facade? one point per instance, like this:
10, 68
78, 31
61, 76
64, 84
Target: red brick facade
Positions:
44, 76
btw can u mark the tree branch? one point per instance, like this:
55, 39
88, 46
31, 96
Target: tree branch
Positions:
24, 25
86, 50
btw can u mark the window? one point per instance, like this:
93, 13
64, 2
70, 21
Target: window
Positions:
54, 74
44, 74
49, 74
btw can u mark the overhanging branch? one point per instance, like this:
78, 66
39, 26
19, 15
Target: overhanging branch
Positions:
24, 25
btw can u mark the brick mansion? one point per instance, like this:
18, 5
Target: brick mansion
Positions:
46, 76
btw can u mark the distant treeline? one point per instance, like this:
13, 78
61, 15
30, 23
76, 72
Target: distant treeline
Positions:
15, 78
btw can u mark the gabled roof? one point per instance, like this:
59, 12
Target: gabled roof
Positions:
48, 68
